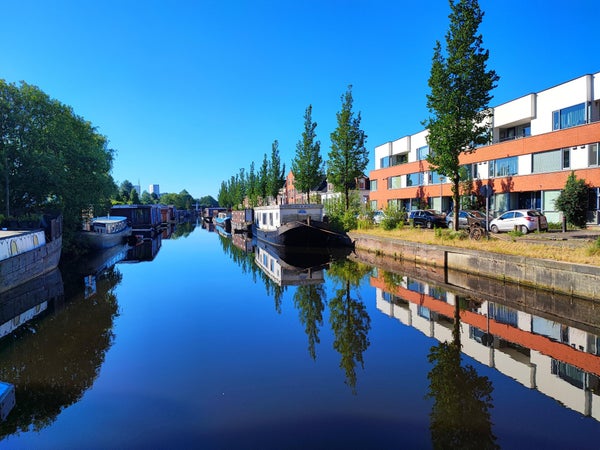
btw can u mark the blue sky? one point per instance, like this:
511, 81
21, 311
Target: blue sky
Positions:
190, 92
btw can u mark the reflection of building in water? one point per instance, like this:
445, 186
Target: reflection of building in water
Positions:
558, 360
283, 273
28, 300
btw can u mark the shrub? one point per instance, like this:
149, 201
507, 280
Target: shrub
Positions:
594, 249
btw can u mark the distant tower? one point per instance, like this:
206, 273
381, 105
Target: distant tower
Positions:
153, 189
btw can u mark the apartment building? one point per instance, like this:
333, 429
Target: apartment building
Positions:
537, 140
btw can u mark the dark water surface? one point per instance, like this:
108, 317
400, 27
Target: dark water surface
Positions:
190, 344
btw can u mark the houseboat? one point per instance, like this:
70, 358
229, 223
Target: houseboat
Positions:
268, 259
105, 232
223, 221
297, 226
26, 253
144, 220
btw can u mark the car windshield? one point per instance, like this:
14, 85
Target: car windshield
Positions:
478, 214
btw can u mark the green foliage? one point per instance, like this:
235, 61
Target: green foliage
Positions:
50, 158
572, 201
276, 172
460, 93
348, 157
462, 400
307, 164
340, 217
594, 249
394, 217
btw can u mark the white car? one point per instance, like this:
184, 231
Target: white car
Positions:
524, 220
378, 216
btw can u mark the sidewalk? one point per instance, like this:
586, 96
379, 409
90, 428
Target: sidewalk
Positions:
573, 238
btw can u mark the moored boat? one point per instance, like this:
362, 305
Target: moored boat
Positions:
28, 252
105, 232
223, 220
297, 225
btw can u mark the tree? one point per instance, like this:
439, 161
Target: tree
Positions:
572, 201
307, 164
275, 173
460, 93
125, 190
263, 175
348, 157
51, 159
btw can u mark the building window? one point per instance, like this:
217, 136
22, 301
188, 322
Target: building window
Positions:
414, 179
422, 153
546, 161
396, 160
373, 185
394, 182
566, 158
384, 162
504, 167
593, 155
373, 205
568, 117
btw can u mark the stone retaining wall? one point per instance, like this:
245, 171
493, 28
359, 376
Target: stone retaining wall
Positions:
572, 279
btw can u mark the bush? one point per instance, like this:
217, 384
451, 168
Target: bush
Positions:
594, 249
394, 218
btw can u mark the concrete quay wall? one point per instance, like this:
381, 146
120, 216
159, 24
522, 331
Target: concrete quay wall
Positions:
571, 279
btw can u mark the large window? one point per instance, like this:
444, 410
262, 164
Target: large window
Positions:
394, 182
394, 160
568, 117
373, 185
414, 179
504, 167
546, 162
422, 153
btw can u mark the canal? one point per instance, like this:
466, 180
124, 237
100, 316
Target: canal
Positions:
190, 341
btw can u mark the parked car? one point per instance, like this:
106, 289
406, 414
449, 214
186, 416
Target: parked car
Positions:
524, 220
463, 216
427, 218
378, 216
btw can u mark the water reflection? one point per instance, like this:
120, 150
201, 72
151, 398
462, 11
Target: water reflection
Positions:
281, 267
348, 316
52, 362
519, 335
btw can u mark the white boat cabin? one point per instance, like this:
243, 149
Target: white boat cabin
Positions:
270, 218
13, 243
108, 225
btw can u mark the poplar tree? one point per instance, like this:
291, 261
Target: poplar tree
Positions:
460, 93
276, 172
307, 164
348, 157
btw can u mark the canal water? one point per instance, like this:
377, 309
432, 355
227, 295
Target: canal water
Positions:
190, 341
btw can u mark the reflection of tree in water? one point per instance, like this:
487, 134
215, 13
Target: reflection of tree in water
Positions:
53, 361
460, 416
309, 300
349, 319
183, 230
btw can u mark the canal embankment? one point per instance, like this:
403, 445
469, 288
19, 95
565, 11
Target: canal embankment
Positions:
579, 280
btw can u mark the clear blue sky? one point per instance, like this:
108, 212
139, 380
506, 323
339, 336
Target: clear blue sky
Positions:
189, 92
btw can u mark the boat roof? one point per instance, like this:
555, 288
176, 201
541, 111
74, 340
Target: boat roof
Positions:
111, 219
11, 233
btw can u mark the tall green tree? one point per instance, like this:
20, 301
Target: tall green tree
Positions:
307, 164
276, 172
460, 93
348, 157
263, 176
573, 201
51, 157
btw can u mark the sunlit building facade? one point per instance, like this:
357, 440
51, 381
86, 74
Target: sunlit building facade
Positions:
537, 140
